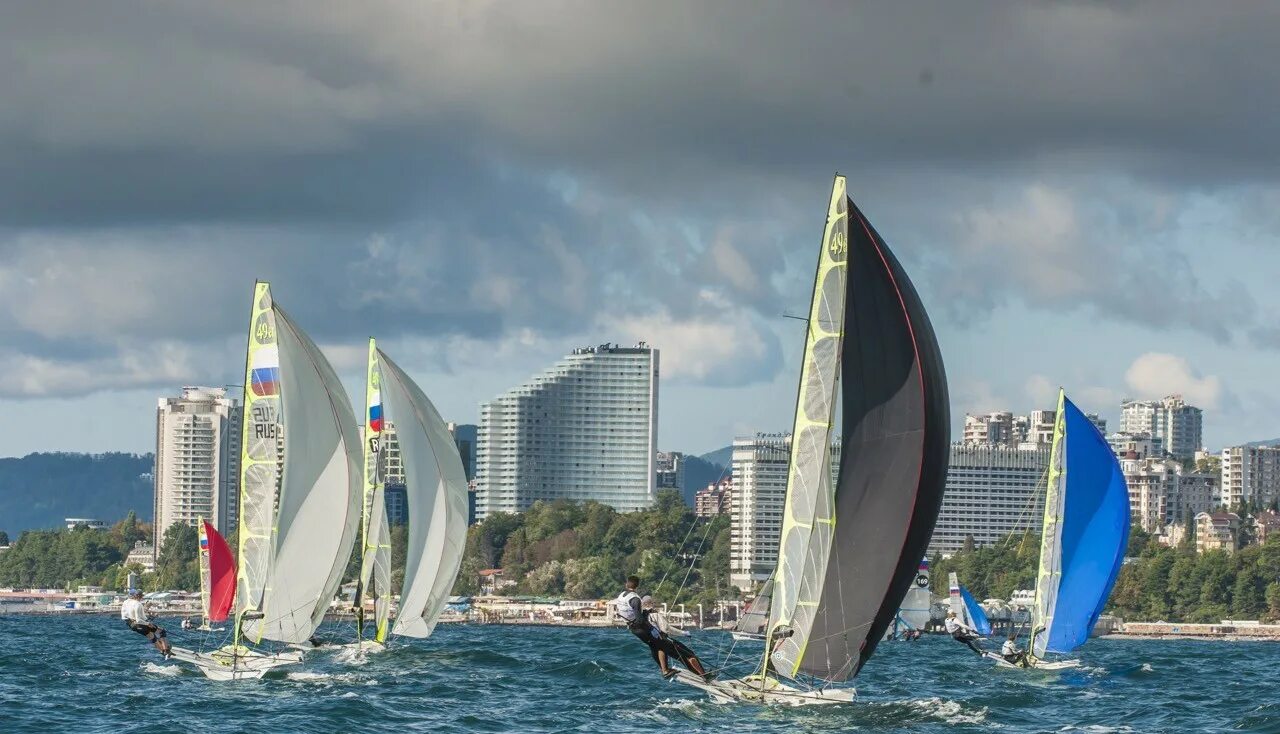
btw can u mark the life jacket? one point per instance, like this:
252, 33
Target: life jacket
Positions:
628, 606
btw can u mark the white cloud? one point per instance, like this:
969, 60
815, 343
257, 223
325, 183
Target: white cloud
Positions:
1155, 374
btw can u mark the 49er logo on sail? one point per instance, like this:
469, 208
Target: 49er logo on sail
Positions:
839, 245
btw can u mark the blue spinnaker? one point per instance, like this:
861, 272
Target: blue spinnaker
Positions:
979, 617
1089, 537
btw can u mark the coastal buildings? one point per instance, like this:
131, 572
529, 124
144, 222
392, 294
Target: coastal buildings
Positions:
715, 499
586, 429
1174, 425
991, 491
760, 466
759, 481
1217, 531
1003, 428
88, 522
1250, 474
1162, 491
197, 460
143, 554
670, 470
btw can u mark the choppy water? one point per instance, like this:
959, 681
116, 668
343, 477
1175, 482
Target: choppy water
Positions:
90, 674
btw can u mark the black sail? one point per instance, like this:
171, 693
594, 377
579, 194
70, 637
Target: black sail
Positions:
893, 461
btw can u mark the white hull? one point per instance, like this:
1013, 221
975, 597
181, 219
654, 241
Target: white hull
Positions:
758, 689
222, 665
1046, 665
747, 637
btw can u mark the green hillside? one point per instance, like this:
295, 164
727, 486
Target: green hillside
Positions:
38, 490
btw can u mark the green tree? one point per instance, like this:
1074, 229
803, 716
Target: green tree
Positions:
176, 565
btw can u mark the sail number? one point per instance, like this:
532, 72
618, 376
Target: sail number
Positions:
264, 422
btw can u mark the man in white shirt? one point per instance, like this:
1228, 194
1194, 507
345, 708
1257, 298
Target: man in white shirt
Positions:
961, 633
135, 616
637, 612
1010, 652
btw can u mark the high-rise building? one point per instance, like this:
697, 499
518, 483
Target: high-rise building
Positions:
1250, 474
586, 429
1003, 428
760, 468
760, 465
670, 468
1162, 492
197, 460
464, 434
992, 491
715, 499
1177, 426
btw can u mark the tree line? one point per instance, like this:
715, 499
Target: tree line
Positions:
586, 550
65, 559
1156, 582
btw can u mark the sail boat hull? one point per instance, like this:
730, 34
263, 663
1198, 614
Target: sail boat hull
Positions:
766, 691
222, 665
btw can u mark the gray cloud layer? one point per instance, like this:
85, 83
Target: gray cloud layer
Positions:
476, 167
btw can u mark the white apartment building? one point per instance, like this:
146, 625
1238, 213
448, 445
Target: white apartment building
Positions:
1250, 473
1003, 428
1177, 426
586, 429
759, 481
1161, 492
197, 460
991, 491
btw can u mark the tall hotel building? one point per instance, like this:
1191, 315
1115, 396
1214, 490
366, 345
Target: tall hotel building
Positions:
586, 429
760, 466
992, 491
197, 460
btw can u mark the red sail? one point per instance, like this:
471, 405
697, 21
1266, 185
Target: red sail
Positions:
222, 575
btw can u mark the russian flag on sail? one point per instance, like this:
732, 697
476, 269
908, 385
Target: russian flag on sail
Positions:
265, 381
375, 417
204, 542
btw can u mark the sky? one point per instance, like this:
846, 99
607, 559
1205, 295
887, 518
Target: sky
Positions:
1085, 195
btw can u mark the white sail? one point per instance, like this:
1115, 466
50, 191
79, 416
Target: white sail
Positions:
375, 552
436, 489
318, 506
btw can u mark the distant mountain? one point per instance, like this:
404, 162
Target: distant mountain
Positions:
698, 473
38, 490
722, 457
1269, 442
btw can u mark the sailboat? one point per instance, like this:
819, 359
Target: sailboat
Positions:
752, 623
967, 610
436, 494
217, 577
1083, 539
299, 498
850, 547
917, 605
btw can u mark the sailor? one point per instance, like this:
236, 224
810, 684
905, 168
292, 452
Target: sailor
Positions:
961, 633
1010, 652
666, 645
630, 607
135, 616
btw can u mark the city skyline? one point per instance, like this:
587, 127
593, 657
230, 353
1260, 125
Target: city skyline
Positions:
1115, 237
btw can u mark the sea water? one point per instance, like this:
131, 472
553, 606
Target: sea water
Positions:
91, 674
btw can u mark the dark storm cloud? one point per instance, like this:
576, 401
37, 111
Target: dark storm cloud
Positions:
474, 168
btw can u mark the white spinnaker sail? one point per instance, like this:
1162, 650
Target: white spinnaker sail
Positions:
808, 516
436, 489
318, 508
